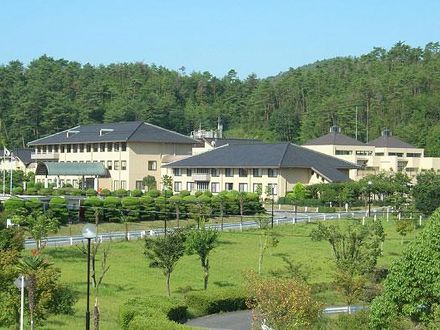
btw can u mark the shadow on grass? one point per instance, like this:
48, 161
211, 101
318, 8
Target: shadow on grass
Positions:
73, 254
106, 286
223, 284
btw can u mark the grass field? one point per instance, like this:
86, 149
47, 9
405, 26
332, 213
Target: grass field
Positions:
130, 276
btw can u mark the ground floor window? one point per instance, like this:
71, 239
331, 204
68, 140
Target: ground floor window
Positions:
190, 186
139, 185
177, 186
215, 187
202, 186
229, 186
257, 188
123, 184
116, 185
242, 187
272, 189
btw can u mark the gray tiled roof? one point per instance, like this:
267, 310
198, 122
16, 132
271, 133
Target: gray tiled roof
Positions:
135, 131
266, 155
222, 141
55, 168
24, 154
386, 141
335, 138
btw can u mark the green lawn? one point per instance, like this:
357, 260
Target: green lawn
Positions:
130, 276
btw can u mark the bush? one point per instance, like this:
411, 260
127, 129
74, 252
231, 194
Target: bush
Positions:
105, 192
159, 307
17, 191
59, 192
58, 207
91, 192
14, 205
136, 193
153, 193
62, 301
45, 191
185, 193
208, 302
326, 209
121, 193
31, 191
112, 206
141, 322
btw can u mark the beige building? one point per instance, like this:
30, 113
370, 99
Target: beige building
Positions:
387, 153
123, 153
17, 159
253, 167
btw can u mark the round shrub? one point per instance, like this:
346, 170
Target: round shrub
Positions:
121, 193
136, 193
105, 192
31, 191
91, 192
153, 193
185, 193
17, 191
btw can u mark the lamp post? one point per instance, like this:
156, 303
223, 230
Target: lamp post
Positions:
21, 283
88, 232
369, 198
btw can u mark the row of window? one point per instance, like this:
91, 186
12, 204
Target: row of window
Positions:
369, 153
228, 172
83, 147
215, 187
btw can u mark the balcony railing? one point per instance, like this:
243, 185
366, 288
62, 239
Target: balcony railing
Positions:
45, 155
201, 177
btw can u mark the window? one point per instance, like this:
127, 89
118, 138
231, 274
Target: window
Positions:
81, 148
229, 186
88, 147
152, 165
202, 186
68, 181
75, 183
116, 146
257, 188
242, 187
343, 152
190, 186
177, 186
272, 172
109, 164
202, 170
188, 172
116, 185
256, 172
68, 148
123, 165
123, 146
177, 171
109, 146
61, 182
242, 172
139, 185
215, 172
44, 149
215, 187
123, 184
39, 150
363, 153
74, 148
95, 147
116, 165
62, 149
272, 188
102, 162
49, 149
379, 154
55, 148
410, 154
102, 147
229, 172
398, 154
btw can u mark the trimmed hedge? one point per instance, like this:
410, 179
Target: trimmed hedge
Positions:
156, 322
151, 307
208, 302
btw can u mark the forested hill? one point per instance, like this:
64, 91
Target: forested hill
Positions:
397, 88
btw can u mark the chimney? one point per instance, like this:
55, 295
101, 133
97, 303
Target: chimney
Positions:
335, 129
386, 132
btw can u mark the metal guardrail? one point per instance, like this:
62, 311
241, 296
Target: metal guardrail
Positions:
136, 234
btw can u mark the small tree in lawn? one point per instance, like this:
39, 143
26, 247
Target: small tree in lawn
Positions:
164, 252
38, 225
403, 227
202, 242
297, 195
267, 239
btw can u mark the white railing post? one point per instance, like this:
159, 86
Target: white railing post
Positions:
71, 241
375, 217
324, 217
339, 215
128, 236
363, 221
420, 220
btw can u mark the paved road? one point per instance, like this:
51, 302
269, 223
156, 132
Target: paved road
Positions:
280, 217
242, 320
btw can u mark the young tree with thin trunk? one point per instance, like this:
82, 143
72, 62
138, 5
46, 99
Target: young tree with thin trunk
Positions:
267, 239
202, 242
164, 253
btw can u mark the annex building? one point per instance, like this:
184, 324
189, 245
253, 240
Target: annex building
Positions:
387, 153
107, 156
253, 167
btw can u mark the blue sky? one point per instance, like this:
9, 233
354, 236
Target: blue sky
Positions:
260, 36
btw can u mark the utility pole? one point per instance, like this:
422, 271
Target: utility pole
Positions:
273, 200
356, 122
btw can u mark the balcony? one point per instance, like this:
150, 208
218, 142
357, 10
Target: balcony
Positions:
201, 177
45, 156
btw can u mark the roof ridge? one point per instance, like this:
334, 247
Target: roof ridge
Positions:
168, 130
134, 131
284, 153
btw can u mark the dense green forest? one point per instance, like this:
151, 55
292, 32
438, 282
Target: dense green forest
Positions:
397, 88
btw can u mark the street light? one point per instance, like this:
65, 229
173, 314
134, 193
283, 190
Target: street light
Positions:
88, 232
369, 198
21, 283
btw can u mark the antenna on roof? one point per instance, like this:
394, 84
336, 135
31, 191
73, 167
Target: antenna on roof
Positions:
386, 132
